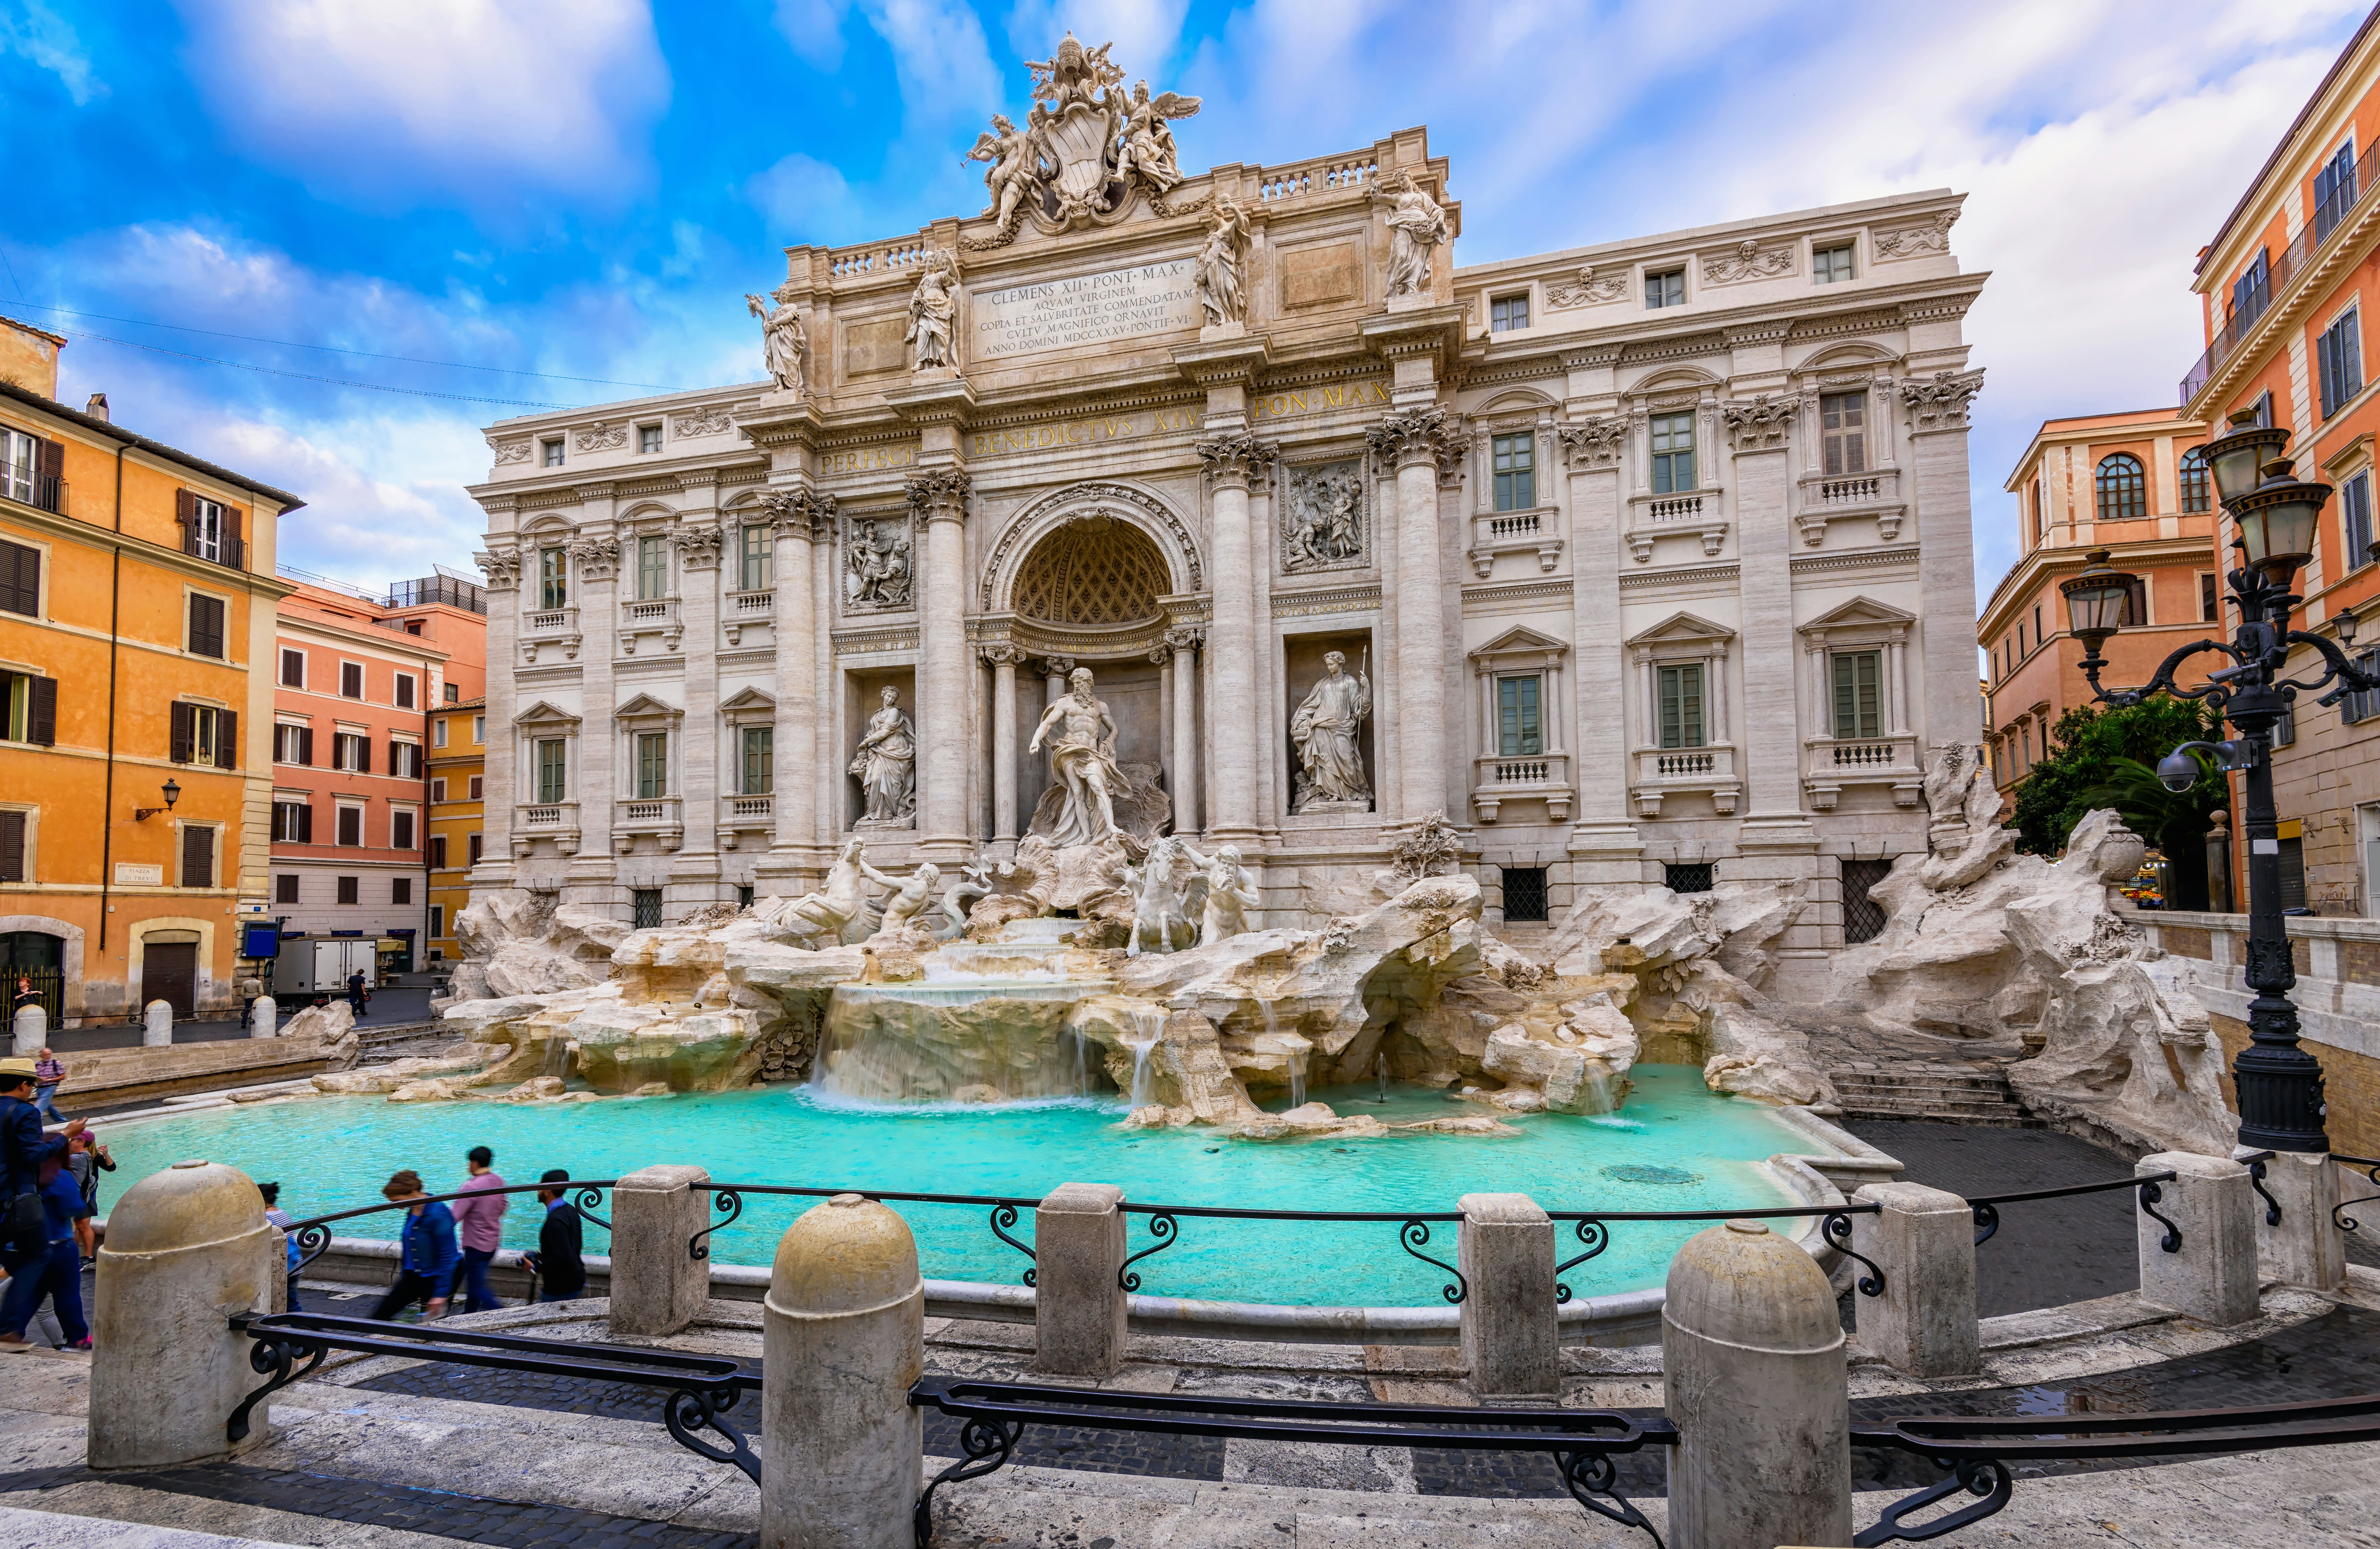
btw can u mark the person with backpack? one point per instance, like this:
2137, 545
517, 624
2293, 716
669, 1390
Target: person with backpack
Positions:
24, 1219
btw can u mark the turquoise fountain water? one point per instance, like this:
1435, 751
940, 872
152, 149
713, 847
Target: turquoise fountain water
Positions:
1675, 1146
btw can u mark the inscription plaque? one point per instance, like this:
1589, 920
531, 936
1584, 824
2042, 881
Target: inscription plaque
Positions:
1085, 310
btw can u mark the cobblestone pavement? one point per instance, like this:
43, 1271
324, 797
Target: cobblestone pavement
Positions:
466, 1518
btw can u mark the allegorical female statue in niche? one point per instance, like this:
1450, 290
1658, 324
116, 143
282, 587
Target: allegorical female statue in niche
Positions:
1327, 729
933, 312
887, 767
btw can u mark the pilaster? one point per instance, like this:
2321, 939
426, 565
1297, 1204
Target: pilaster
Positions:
946, 680
1938, 425
500, 783
1604, 845
591, 880
694, 878
1234, 462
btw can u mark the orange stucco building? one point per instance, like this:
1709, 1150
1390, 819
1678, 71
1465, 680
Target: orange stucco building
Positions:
2126, 482
458, 769
137, 603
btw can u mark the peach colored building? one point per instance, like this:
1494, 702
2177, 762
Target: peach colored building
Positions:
2126, 482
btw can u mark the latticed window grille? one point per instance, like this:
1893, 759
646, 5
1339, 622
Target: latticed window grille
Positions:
1695, 878
1096, 571
645, 908
1524, 893
1863, 916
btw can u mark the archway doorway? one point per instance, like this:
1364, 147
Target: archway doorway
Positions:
38, 959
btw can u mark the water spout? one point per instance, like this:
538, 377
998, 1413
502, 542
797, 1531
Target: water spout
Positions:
1082, 1069
1149, 1022
1380, 1069
1297, 1076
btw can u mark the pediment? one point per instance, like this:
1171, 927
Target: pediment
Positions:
545, 713
645, 705
750, 701
1862, 612
1679, 629
1520, 641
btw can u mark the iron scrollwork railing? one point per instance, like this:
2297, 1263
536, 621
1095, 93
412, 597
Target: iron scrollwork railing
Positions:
698, 1391
1594, 1231
993, 1416
2371, 1167
1412, 1234
313, 1234
1987, 1209
1977, 1451
2256, 1181
727, 1199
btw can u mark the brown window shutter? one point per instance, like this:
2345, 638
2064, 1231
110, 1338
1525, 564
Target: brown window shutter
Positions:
42, 721
198, 857
306, 744
49, 475
12, 847
226, 739
20, 579
235, 534
186, 511
396, 756
363, 756
182, 734
306, 824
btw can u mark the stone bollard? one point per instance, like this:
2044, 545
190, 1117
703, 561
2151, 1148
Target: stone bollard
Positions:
157, 1031
2212, 1278
657, 1285
1511, 1333
263, 1018
186, 1248
1754, 1377
1078, 1306
1923, 1239
843, 1455
2305, 1248
31, 1027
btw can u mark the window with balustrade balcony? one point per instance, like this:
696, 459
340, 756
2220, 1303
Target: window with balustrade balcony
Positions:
1843, 430
552, 769
1515, 471
1672, 437
759, 557
553, 578
1680, 688
1859, 693
652, 568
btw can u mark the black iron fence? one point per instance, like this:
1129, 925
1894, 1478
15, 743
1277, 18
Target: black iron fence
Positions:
2149, 1192
313, 1234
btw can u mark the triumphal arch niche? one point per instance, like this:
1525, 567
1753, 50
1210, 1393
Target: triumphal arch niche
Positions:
1555, 551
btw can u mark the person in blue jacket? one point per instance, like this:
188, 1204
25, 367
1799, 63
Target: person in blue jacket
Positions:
24, 1221
425, 1271
60, 1278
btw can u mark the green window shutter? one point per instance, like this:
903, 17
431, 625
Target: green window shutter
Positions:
759, 758
1520, 721
1681, 690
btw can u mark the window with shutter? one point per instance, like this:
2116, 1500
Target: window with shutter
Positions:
1842, 420
20, 579
284, 889
400, 830
186, 513
471, 849
183, 734
1682, 705
41, 713
475, 788
351, 827
652, 764
400, 890
49, 475
437, 851
350, 890
19, 464
352, 680
292, 669
206, 625
1858, 693
226, 739
306, 744
12, 847
306, 824
1519, 728
198, 857
405, 690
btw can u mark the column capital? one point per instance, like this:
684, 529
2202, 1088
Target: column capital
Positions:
1409, 438
795, 512
698, 546
1759, 424
598, 557
1941, 403
1161, 653
1238, 459
999, 653
1056, 666
501, 567
1184, 637
1592, 442
940, 494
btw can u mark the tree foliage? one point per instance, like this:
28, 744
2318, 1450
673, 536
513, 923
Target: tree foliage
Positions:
2109, 759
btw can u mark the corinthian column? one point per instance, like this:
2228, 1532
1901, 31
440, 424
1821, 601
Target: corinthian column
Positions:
939, 497
1415, 440
502, 564
1232, 462
1185, 641
799, 518
1002, 658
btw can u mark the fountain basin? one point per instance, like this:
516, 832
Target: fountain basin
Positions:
964, 1039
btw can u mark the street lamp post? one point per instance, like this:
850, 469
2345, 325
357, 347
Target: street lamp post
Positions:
2279, 1084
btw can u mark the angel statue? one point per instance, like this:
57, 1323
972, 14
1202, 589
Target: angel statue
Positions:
1221, 291
1416, 226
933, 313
1149, 137
1013, 171
785, 341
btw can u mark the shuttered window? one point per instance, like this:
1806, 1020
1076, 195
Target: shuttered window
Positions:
202, 734
1682, 705
350, 890
351, 827
405, 690
206, 625
1515, 470
1672, 439
1859, 697
400, 829
198, 857
652, 764
552, 784
293, 823
652, 569
28, 708
1842, 421
552, 577
437, 851
12, 847
20, 579
759, 760
352, 680
759, 559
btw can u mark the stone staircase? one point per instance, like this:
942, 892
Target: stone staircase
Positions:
1941, 1091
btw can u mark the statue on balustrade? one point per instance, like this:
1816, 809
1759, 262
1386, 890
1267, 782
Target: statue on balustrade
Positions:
1416, 226
1327, 729
1082, 760
933, 312
785, 345
1230, 892
887, 767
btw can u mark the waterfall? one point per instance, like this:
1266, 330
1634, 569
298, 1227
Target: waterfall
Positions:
1150, 1021
1380, 1069
1082, 1069
1297, 1077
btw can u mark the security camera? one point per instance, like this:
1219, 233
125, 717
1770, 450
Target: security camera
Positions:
2178, 770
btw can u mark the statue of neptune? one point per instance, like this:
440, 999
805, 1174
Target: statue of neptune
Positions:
1325, 729
1082, 758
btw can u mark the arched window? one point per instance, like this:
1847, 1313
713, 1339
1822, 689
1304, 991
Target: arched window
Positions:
2123, 489
2194, 492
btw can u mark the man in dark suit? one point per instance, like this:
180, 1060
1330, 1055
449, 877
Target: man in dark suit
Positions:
560, 1271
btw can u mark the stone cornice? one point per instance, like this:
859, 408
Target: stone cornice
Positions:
933, 402
1226, 361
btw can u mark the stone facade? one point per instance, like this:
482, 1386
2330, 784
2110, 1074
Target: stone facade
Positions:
1196, 436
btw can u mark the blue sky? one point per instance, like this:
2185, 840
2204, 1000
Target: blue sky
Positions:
585, 189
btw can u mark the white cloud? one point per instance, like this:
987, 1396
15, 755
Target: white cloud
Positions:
1146, 32
39, 33
814, 28
806, 200
482, 100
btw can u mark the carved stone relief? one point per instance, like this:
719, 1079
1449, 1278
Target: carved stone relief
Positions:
713, 419
1917, 241
501, 567
1088, 149
1324, 524
1749, 261
802, 511
510, 452
876, 564
1941, 403
1592, 444
1760, 425
597, 559
603, 438
698, 547
1589, 289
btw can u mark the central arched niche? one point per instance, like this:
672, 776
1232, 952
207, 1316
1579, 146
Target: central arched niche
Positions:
1095, 572
1100, 574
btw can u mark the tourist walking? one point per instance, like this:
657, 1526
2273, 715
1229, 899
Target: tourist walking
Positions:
86, 1159
58, 1278
479, 1226
357, 997
426, 1262
47, 1072
280, 1218
24, 1219
556, 1263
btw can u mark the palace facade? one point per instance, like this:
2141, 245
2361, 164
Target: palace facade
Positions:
1650, 560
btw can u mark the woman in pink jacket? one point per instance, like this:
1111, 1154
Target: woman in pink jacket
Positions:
479, 1225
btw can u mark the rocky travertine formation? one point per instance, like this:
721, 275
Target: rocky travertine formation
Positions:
521, 943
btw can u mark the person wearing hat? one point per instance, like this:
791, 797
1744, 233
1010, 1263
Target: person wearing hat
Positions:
24, 1222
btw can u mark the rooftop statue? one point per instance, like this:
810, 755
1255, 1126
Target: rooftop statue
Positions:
1088, 149
784, 342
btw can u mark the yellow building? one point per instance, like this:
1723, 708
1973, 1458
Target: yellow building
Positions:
458, 764
137, 603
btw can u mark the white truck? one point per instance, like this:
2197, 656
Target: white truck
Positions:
311, 966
